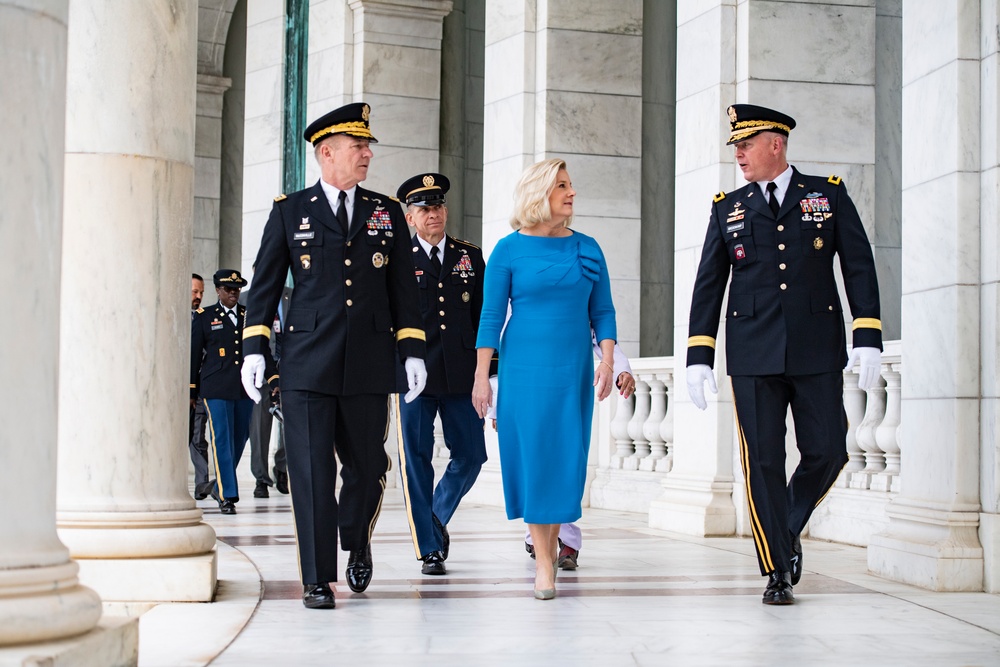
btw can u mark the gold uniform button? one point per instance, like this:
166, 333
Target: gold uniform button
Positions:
734, 313
291, 328
348, 244
441, 299
348, 282
351, 303
441, 313
781, 246
440, 285
735, 235
819, 225
383, 241
237, 363
829, 307
443, 326
784, 286
781, 266
347, 262
781, 228
303, 243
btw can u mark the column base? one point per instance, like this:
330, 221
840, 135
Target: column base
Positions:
989, 537
113, 643
47, 603
177, 579
937, 549
694, 506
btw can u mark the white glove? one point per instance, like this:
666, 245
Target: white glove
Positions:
491, 412
252, 375
871, 366
696, 376
416, 377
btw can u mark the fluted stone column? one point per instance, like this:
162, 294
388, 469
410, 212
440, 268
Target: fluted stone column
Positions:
40, 596
123, 505
949, 386
726, 54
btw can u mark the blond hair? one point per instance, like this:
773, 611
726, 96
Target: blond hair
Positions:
531, 194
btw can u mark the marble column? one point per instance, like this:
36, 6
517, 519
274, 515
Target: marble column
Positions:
726, 54
123, 505
932, 539
211, 250
40, 595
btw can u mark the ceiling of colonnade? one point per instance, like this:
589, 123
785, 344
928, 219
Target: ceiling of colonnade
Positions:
213, 28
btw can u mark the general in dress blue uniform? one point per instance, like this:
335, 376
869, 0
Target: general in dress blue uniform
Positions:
449, 278
773, 242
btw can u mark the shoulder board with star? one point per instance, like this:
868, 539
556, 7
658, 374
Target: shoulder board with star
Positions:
471, 245
833, 179
281, 197
719, 197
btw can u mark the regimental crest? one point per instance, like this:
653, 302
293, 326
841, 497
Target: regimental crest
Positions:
428, 181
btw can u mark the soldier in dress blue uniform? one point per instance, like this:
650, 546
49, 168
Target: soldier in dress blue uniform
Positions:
449, 277
216, 345
353, 308
774, 241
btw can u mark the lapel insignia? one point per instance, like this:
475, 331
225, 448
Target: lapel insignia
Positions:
313, 198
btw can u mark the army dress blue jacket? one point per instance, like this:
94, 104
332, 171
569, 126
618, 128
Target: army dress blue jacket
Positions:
784, 314
216, 355
354, 301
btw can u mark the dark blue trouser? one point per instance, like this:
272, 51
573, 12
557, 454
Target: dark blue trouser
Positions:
463, 435
227, 432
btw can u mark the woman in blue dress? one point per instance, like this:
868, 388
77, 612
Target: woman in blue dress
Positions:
556, 284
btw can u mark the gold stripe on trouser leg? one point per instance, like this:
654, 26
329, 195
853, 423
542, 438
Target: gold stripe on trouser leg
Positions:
381, 497
215, 453
760, 539
402, 472
829, 488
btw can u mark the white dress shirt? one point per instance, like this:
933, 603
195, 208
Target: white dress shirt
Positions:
782, 181
333, 196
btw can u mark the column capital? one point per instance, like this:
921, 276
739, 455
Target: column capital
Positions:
414, 9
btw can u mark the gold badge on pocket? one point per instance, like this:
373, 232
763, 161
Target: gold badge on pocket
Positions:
378, 260
465, 297
222, 351
306, 261
818, 243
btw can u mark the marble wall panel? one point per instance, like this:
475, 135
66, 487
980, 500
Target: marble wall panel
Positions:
694, 205
858, 179
940, 471
593, 62
209, 172
210, 20
509, 18
208, 136
329, 80
945, 320
264, 139
625, 296
834, 44
405, 121
510, 65
702, 129
262, 11
833, 122
706, 51
690, 11
499, 178
206, 218
935, 34
265, 42
393, 164
508, 127
591, 124
619, 240
398, 29
990, 225
605, 186
205, 262
264, 93
955, 122
132, 83
622, 17
989, 349
989, 109
941, 243
400, 70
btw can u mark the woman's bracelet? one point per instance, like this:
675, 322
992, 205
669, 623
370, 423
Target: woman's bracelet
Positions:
610, 367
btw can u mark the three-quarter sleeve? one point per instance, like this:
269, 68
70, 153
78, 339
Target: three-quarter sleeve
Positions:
602, 309
496, 296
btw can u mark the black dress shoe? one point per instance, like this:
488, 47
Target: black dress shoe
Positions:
433, 563
261, 491
359, 569
796, 560
281, 481
779, 589
227, 507
318, 596
445, 537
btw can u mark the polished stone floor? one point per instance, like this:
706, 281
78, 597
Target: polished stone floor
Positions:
640, 597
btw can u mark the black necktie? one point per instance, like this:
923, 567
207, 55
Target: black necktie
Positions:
435, 261
342, 212
772, 199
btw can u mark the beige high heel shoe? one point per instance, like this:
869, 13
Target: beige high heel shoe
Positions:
548, 593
